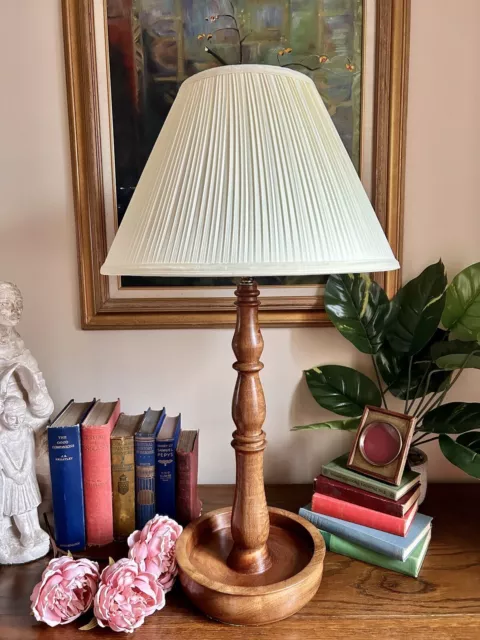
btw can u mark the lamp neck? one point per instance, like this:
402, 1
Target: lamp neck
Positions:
250, 519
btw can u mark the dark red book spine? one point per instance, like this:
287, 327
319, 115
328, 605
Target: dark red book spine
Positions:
188, 506
341, 491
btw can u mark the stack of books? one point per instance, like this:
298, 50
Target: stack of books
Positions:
112, 472
370, 520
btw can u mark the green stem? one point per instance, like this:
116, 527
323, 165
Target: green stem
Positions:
447, 388
377, 373
425, 391
417, 388
409, 380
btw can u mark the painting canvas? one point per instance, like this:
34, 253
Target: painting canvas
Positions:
154, 45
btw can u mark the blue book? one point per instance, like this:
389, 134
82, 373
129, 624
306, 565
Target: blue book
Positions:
65, 454
379, 541
166, 446
145, 466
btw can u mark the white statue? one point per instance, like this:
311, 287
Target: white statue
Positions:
25, 407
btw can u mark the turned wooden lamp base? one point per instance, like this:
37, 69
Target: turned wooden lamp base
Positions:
249, 564
296, 550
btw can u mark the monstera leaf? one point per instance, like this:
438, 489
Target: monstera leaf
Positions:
350, 424
464, 457
454, 417
462, 305
342, 389
456, 354
394, 366
416, 310
357, 306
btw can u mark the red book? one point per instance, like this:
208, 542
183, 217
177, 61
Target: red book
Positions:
360, 515
342, 491
97, 471
188, 506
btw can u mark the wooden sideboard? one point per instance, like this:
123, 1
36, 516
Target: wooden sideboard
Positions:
355, 600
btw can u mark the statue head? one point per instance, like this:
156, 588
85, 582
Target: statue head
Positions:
11, 304
13, 412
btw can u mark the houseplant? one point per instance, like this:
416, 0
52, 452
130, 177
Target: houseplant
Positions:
420, 343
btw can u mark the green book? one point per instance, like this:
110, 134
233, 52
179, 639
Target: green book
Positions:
337, 470
410, 567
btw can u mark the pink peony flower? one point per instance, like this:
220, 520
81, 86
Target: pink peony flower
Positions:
125, 597
153, 549
66, 590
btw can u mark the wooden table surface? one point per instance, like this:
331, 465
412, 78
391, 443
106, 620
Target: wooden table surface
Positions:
355, 600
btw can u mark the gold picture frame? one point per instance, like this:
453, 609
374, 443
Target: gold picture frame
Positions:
101, 310
390, 471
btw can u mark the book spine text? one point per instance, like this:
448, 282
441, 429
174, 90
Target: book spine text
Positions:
97, 484
67, 487
123, 487
165, 478
144, 480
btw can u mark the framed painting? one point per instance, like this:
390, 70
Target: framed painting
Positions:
126, 59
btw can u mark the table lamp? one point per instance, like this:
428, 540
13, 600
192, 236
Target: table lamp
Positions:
249, 177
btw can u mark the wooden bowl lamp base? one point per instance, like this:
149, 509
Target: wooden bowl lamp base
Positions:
249, 565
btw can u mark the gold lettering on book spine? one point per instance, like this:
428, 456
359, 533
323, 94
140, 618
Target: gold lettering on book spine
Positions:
123, 486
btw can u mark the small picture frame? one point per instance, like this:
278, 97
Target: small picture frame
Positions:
381, 445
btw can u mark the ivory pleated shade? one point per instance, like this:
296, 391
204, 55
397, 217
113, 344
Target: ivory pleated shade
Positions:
248, 177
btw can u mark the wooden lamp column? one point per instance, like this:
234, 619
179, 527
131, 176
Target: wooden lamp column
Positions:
250, 519
249, 564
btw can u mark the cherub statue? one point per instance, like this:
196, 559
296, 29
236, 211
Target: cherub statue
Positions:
21, 377
19, 492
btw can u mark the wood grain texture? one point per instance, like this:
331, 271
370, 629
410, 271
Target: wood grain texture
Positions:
286, 583
355, 600
250, 521
102, 311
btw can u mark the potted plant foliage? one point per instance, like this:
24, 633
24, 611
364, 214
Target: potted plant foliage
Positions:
420, 343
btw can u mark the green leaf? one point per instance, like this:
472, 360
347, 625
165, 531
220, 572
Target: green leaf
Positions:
416, 310
454, 417
462, 457
350, 424
471, 440
342, 389
462, 305
357, 306
393, 368
456, 354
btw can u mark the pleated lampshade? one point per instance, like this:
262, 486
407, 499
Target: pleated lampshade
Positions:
248, 177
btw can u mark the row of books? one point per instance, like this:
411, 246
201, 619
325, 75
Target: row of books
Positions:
112, 472
370, 520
